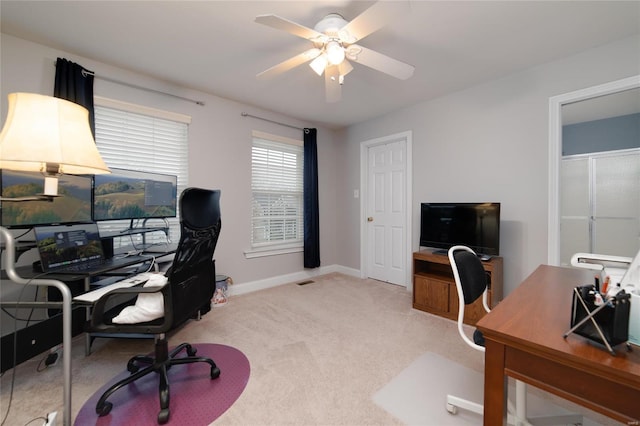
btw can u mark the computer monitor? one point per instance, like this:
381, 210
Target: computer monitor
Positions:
131, 194
73, 205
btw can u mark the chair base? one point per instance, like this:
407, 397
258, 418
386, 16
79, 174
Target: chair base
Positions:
453, 403
160, 363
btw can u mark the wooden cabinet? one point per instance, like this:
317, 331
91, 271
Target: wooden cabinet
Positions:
434, 289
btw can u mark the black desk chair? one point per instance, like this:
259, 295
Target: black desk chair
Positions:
471, 283
187, 294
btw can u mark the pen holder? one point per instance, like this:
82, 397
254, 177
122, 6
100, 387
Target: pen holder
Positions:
607, 324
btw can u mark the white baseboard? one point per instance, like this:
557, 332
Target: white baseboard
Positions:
251, 286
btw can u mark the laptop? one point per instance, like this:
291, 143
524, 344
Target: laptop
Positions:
76, 249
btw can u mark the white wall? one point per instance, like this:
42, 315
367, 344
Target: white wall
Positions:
486, 143
219, 149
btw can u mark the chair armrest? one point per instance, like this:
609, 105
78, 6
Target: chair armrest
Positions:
99, 315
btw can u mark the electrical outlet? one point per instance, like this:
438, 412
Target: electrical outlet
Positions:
51, 419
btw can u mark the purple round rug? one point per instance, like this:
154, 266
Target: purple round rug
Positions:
196, 399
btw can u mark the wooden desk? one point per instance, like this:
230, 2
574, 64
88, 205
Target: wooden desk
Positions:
524, 341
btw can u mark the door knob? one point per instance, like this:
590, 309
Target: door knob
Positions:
369, 219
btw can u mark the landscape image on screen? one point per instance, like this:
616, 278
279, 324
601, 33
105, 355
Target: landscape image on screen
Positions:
73, 204
128, 194
59, 246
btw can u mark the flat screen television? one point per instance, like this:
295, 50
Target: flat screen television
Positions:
72, 206
131, 194
476, 225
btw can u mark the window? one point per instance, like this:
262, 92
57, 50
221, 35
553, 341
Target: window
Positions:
139, 138
277, 189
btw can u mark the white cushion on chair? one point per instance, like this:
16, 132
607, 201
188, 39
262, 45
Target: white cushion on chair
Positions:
148, 306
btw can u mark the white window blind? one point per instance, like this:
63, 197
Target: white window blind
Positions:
143, 142
277, 190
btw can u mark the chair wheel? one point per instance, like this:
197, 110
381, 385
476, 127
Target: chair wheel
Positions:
191, 351
452, 409
132, 368
105, 409
215, 373
163, 416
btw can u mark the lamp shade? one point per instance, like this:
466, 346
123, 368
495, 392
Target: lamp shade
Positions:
335, 52
319, 64
50, 135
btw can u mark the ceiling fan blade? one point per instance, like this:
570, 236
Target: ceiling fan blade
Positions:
374, 18
279, 23
383, 63
289, 64
333, 89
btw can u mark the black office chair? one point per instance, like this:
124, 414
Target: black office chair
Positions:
471, 283
187, 294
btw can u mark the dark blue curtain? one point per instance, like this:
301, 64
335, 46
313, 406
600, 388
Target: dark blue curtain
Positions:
75, 83
311, 205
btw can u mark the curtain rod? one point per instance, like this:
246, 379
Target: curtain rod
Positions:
244, 114
124, 83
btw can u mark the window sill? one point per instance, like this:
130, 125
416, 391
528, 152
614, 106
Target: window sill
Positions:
272, 251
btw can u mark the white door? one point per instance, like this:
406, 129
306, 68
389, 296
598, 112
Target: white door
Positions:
386, 212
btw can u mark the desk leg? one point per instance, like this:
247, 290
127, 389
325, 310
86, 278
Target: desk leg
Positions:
87, 336
495, 384
9, 265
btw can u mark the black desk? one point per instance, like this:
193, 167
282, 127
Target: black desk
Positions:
26, 276
42, 332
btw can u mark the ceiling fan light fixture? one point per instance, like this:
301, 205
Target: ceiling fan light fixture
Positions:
319, 64
333, 49
335, 52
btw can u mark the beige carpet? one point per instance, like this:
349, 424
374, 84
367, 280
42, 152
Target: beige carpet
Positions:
404, 396
318, 352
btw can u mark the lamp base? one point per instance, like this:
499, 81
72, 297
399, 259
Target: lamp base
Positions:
51, 185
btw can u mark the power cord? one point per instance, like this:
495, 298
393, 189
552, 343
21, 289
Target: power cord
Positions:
17, 237
37, 418
151, 264
49, 360
15, 346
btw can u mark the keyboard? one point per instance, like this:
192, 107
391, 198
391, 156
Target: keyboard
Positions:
103, 265
94, 295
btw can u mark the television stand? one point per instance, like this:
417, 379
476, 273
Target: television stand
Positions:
434, 288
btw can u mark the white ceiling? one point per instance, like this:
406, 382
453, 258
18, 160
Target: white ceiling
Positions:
216, 47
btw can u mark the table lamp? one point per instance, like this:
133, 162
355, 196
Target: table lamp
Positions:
51, 136
48, 135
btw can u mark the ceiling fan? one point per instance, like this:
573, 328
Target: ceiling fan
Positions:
334, 45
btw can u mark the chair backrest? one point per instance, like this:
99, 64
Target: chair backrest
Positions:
192, 275
470, 273
471, 283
